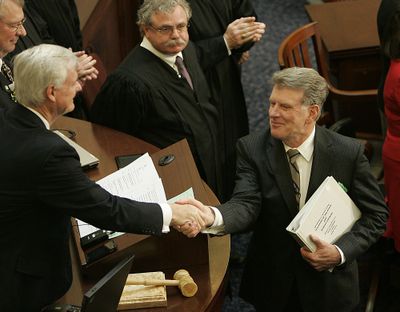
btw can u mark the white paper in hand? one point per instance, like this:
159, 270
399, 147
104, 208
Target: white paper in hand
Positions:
329, 213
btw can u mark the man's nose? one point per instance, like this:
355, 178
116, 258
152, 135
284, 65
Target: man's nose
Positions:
21, 32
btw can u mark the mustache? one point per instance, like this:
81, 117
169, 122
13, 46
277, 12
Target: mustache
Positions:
175, 42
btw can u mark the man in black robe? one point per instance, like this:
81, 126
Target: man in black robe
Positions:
148, 96
223, 32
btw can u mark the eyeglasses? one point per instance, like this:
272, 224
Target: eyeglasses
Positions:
168, 30
16, 26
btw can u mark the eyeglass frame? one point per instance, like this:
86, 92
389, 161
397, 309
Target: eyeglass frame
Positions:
16, 26
168, 30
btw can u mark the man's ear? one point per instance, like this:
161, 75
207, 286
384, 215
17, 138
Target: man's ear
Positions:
314, 112
50, 93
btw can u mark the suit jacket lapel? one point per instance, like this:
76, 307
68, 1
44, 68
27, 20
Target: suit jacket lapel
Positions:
322, 161
280, 169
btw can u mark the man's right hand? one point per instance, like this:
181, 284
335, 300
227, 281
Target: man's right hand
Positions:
189, 215
205, 212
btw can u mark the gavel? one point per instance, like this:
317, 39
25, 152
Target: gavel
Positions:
182, 279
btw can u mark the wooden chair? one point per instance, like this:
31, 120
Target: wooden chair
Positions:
299, 49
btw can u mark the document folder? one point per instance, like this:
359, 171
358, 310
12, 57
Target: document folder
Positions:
329, 213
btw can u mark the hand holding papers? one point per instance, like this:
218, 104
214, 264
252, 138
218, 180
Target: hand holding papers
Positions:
328, 214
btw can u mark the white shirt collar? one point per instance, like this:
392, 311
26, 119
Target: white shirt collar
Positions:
169, 59
306, 149
44, 120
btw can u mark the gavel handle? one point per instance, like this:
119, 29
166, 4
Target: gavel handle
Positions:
153, 282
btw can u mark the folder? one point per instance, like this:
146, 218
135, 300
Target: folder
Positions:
328, 214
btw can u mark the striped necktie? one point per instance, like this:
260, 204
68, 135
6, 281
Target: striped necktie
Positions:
293, 154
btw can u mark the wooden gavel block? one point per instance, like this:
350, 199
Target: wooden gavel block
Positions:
182, 279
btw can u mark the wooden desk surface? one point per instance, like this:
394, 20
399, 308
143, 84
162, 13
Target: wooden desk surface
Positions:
346, 25
106, 143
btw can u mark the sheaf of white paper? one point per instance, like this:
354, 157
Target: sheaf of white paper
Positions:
333, 213
186, 194
137, 181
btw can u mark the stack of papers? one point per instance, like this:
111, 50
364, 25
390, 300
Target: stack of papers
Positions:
328, 214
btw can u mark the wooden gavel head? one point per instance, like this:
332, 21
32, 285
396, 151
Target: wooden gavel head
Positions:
186, 283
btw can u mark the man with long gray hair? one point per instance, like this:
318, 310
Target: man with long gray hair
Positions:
42, 185
279, 275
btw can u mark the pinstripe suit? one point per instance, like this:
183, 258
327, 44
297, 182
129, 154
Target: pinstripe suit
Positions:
264, 200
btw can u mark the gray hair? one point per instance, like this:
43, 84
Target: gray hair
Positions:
21, 3
39, 67
149, 7
307, 79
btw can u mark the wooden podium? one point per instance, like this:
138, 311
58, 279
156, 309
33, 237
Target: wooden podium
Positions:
204, 257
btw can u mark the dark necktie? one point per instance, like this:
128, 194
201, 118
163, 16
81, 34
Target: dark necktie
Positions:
7, 72
183, 71
294, 170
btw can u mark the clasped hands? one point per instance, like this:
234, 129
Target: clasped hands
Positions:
243, 30
190, 216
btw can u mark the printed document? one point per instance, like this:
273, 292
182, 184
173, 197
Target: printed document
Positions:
329, 213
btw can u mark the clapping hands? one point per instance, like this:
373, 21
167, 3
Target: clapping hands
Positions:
243, 30
86, 69
190, 216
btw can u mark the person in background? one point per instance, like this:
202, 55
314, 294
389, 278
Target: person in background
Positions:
42, 185
223, 32
11, 30
391, 145
159, 92
279, 274
386, 10
57, 22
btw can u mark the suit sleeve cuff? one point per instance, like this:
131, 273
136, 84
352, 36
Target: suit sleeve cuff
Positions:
227, 47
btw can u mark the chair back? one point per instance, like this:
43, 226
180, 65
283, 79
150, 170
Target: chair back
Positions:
295, 49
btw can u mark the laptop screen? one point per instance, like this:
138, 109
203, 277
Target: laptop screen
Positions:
105, 294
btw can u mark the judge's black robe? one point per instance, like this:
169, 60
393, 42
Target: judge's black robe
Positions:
62, 21
209, 21
145, 97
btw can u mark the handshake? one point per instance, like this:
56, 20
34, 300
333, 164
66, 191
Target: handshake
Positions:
190, 216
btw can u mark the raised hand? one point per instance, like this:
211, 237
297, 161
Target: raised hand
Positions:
243, 30
86, 69
324, 258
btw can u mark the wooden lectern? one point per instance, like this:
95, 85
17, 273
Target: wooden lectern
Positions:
204, 257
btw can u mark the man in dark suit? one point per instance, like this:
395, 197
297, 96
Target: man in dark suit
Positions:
42, 185
11, 29
279, 275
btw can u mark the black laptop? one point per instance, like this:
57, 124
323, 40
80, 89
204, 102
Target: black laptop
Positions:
104, 295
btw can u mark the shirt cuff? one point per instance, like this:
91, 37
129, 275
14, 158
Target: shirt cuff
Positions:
218, 226
167, 217
342, 257
227, 47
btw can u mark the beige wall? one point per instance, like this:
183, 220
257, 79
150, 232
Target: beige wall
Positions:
85, 8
